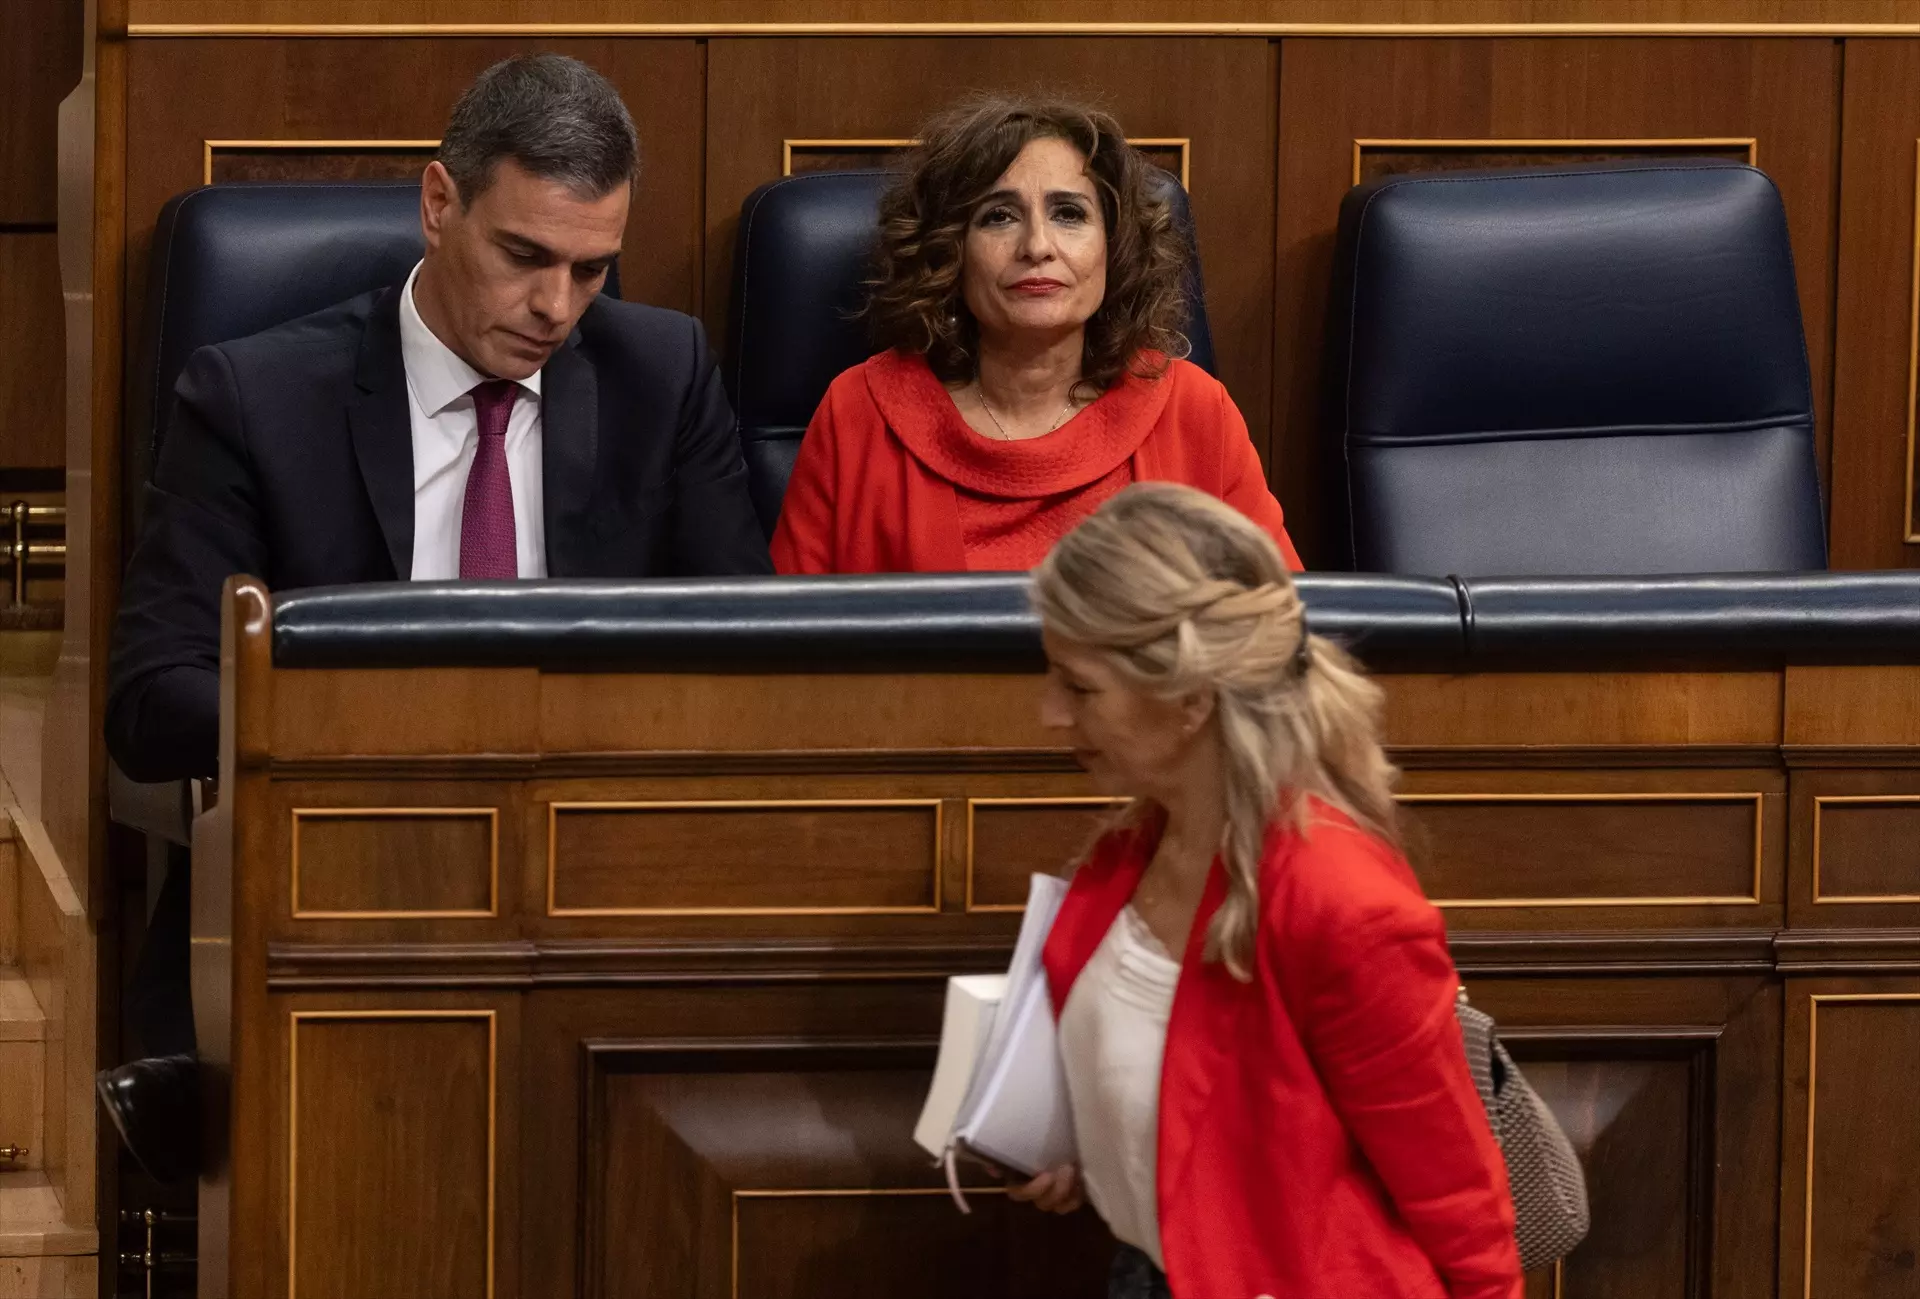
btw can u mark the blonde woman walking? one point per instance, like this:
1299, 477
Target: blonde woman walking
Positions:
1256, 1002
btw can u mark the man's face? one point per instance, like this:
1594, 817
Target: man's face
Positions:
508, 276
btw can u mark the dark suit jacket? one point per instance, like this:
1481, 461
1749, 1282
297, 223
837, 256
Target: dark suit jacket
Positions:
290, 456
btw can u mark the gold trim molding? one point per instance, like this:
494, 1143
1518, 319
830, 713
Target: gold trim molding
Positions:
1910, 485
1814, 1002
1363, 146
152, 30
492, 815
1819, 803
938, 807
1182, 143
209, 147
293, 1115
1076, 800
1758, 799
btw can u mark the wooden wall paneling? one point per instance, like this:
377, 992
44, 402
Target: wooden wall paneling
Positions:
383, 861
1873, 523
1009, 839
39, 63
32, 351
708, 856
1855, 850
1849, 1202
1426, 13
1563, 849
1846, 708
40, 43
1441, 711
449, 710
1781, 93
1668, 1089
396, 1169
688, 1119
403, 91
846, 710
1217, 93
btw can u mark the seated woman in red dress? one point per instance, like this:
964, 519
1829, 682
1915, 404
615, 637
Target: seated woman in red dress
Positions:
1029, 298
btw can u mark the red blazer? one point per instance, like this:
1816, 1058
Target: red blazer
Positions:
877, 484
1320, 1137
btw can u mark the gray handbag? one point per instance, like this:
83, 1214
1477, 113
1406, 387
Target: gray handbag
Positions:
1549, 1190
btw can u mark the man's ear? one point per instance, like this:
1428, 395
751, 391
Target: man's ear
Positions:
439, 201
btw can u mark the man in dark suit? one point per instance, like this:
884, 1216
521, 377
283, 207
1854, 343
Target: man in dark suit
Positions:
491, 417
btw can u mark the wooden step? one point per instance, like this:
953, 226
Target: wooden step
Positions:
31, 1224
59, 1276
9, 887
23, 1071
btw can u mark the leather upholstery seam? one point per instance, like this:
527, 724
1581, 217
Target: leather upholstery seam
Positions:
1464, 598
1764, 424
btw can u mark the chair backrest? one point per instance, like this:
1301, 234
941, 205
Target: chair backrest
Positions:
231, 260
1586, 369
804, 251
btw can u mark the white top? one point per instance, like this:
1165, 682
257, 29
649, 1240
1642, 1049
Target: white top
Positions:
1113, 1033
446, 436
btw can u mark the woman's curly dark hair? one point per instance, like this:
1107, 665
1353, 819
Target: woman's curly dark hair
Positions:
915, 303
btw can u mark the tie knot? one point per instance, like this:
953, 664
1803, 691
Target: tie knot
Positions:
493, 405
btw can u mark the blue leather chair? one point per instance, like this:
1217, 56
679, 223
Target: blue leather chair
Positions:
803, 255
1583, 369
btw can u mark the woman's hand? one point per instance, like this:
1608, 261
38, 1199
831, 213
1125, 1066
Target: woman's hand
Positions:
1057, 1190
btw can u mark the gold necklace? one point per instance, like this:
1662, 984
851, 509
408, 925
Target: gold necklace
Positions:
1005, 436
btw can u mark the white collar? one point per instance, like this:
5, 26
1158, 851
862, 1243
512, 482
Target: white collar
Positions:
436, 374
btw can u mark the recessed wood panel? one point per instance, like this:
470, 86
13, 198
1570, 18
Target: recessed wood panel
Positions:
1873, 523
802, 1244
1372, 158
1636, 1125
257, 160
801, 1182
1784, 94
1216, 92
1567, 850
39, 64
33, 431
761, 857
417, 861
1862, 1200
1171, 156
1866, 848
1009, 839
378, 1097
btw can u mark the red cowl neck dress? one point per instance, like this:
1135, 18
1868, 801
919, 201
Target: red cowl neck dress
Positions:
890, 479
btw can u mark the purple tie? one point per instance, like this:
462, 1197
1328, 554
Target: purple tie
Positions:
487, 544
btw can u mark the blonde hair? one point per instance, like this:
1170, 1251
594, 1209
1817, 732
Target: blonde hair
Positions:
1182, 593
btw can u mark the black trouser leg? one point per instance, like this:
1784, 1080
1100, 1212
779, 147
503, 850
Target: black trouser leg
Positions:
159, 1004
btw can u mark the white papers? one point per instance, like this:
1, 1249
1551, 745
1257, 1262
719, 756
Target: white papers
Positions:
1015, 1110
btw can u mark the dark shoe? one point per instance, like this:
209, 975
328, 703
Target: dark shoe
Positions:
155, 1103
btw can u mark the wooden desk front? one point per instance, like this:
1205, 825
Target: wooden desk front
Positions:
539, 985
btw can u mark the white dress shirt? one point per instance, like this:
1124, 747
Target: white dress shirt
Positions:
446, 437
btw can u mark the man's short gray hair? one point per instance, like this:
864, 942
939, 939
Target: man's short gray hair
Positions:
553, 115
